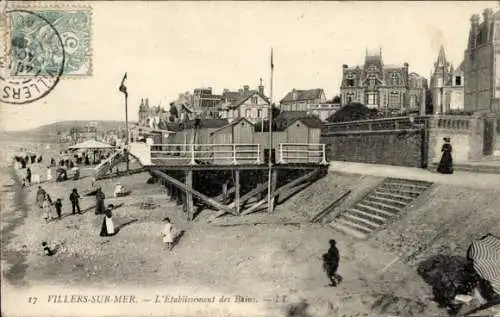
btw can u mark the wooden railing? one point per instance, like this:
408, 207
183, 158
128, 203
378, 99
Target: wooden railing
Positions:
234, 153
301, 153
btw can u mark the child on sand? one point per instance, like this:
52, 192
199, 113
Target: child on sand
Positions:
47, 206
46, 249
168, 233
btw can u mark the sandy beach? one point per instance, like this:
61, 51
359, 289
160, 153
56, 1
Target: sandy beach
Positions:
279, 257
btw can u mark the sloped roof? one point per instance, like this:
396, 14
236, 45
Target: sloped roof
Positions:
234, 122
287, 118
308, 94
206, 123
250, 94
90, 144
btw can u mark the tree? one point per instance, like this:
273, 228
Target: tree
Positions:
336, 99
353, 112
275, 111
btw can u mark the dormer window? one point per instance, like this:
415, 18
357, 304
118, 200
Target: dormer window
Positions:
395, 79
350, 80
294, 95
255, 100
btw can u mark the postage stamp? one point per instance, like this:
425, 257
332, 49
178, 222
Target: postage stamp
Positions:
41, 45
33, 34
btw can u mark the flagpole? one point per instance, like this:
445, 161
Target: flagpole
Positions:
123, 89
270, 117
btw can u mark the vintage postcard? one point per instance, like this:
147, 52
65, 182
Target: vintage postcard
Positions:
250, 158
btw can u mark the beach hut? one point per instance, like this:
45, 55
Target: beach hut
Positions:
241, 132
301, 134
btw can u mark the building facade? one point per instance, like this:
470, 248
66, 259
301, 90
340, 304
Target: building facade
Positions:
482, 63
447, 85
244, 103
300, 100
388, 88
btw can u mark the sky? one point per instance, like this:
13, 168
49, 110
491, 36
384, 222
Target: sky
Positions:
169, 48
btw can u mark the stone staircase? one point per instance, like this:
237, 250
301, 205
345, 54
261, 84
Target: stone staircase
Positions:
379, 206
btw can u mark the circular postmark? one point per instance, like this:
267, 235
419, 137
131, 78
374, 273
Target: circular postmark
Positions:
35, 58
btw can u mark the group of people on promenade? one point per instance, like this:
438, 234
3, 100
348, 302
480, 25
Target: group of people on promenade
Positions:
45, 203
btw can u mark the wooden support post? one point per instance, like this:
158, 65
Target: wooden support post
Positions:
237, 191
204, 198
173, 191
189, 195
259, 189
254, 207
178, 197
221, 197
274, 181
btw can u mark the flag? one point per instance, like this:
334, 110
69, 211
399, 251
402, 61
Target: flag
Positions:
122, 87
272, 63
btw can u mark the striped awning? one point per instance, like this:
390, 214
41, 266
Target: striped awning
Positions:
485, 253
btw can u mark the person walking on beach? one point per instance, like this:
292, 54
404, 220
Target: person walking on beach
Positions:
47, 207
28, 177
75, 203
331, 263
40, 196
99, 196
168, 233
58, 206
108, 228
446, 164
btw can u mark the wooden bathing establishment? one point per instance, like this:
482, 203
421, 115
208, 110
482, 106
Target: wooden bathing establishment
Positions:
239, 146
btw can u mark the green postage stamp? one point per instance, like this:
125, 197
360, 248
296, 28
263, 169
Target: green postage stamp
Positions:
50, 41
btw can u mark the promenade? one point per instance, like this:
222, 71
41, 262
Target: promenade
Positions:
459, 178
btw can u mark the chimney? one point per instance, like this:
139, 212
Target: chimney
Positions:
474, 21
246, 88
487, 16
261, 89
147, 102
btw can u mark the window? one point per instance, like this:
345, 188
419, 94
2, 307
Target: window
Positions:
371, 98
350, 80
350, 97
458, 81
413, 101
395, 79
248, 113
259, 113
255, 100
394, 100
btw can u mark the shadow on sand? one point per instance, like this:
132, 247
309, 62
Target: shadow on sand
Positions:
448, 275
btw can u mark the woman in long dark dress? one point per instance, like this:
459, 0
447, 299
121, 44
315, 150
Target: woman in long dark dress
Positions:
99, 208
108, 228
446, 164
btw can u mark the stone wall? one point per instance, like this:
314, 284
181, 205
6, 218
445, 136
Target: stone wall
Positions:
396, 147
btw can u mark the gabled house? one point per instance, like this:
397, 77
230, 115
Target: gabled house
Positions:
301, 100
250, 104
